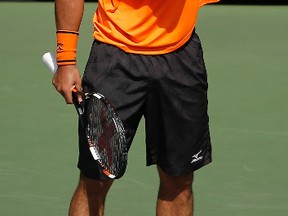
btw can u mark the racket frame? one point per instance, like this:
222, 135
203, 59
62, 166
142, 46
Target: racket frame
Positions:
92, 148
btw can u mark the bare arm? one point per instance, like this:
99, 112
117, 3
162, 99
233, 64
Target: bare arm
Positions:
68, 15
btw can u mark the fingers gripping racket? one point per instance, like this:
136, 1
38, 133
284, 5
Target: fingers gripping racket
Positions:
104, 130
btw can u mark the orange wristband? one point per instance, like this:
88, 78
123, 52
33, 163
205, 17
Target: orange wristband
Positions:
66, 47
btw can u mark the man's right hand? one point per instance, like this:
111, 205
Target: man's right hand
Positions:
67, 78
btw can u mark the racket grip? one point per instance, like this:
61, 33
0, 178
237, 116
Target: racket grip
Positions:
50, 62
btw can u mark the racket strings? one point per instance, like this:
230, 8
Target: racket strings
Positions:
108, 134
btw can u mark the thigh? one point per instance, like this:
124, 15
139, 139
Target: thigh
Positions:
177, 122
121, 77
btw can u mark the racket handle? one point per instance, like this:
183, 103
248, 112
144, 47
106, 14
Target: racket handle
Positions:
50, 62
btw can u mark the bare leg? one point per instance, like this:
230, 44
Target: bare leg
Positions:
89, 197
175, 195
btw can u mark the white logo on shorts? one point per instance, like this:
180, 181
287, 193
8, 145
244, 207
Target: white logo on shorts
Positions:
196, 157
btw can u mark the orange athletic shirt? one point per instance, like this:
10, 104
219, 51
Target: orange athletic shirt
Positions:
148, 27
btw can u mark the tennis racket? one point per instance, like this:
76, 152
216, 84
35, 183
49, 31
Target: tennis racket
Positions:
104, 130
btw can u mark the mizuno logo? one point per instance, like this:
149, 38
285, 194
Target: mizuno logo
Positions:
196, 157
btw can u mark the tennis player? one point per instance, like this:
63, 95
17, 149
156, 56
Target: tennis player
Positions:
146, 58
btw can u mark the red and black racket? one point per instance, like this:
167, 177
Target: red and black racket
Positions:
104, 130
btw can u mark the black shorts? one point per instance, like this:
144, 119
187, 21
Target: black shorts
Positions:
169, 90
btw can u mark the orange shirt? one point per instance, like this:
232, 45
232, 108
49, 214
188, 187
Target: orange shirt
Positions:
148, 27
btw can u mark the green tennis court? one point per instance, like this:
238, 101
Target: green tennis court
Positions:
246, 52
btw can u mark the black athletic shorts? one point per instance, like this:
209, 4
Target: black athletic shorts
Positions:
169, 90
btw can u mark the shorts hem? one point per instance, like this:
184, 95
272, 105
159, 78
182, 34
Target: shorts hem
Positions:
179, 172
95, 176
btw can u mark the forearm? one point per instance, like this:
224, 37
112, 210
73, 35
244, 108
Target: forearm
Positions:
68, 14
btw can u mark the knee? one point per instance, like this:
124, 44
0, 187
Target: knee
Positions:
172, 186
95, 187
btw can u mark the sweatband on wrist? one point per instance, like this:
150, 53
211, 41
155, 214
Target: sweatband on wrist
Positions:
66, 47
